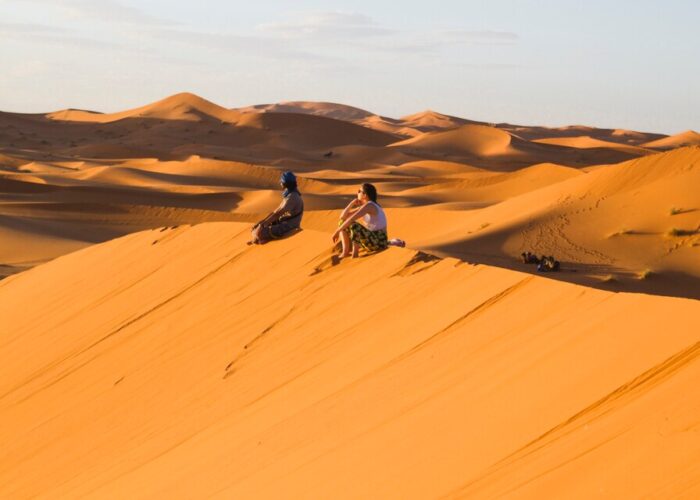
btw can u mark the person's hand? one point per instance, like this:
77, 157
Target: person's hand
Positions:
335, 236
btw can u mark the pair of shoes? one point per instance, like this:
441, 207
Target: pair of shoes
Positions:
548, 264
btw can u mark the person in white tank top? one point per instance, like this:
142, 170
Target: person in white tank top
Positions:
371, 234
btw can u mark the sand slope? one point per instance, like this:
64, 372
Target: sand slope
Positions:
587, 142
182, 106
497, 187
635, 226
314, 132
430, 121
182, 363
687, 138
326, 109
177, 362
490, 146
479, 192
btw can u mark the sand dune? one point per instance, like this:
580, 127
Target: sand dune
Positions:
314, 132
497, 187
408, 126
325, 109
437, 168
497, 149
430, 121
618, 136
148, 352
183, 106
687, 138
633, 226
468, 140
588, 142
185, 350
144, 161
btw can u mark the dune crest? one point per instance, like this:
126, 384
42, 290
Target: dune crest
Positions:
687, 138
430, 121
475, 140
182, 106
325, 109
588, 142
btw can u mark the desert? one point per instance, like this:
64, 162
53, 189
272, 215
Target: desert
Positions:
149, 352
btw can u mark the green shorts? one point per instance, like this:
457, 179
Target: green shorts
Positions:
372, 241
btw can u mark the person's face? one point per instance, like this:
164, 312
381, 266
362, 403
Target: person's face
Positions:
361, 195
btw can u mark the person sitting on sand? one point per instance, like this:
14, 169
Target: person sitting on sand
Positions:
371, 234
287, 216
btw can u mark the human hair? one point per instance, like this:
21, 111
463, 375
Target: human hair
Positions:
370, 191
290, 186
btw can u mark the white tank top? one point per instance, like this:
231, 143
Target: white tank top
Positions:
375, 222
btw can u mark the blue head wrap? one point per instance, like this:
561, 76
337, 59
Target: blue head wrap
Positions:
290, 181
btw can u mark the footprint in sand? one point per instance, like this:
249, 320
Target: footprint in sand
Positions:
325, 264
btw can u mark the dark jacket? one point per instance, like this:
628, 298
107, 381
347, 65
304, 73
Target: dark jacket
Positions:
289, 214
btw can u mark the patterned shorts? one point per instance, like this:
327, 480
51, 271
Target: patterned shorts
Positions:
372, 241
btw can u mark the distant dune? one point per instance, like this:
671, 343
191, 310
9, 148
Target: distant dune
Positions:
184, 106
325, 109
428, 121
467, 140
588, 142
688, 138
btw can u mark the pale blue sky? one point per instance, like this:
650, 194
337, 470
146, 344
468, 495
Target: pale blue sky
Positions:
631, 64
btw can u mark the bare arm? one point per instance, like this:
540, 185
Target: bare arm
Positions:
351, 208
364, 209
270, 217
283, 209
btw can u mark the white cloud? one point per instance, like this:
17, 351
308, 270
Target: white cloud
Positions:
486, 36
239, 45
107, 11
28, 29
52, 36
333, 25
324, 31
490, 66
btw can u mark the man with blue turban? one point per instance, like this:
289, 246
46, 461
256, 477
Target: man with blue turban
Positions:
287, 216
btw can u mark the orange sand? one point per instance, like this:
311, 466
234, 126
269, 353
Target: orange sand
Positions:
149, 353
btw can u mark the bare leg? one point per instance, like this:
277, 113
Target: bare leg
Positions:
254, 236
345, 240
355, 250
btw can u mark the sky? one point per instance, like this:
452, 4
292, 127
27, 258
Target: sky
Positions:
623, 64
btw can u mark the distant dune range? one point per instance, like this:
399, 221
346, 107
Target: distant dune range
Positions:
148, 352
479, 191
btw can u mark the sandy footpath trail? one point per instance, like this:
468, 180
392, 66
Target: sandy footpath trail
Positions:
180, 363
